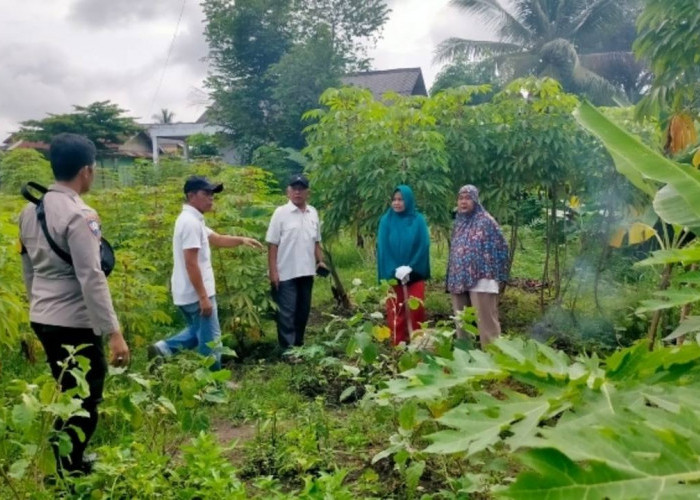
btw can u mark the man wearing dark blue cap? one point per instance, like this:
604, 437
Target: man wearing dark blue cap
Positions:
294, 255
192, 280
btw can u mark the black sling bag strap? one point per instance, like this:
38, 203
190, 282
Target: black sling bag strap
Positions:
107, 259
41, 216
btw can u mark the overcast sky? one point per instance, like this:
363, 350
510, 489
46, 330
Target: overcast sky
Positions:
62, 52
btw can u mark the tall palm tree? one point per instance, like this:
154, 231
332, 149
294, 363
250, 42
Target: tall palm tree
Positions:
586, 44
165, 116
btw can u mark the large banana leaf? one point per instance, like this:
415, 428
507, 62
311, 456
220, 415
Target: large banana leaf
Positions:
676, 203
669, 201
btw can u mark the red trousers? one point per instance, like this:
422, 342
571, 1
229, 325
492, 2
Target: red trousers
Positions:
397, 315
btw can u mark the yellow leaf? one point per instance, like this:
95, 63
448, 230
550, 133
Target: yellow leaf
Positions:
640, 232
575, 202
381, 332
617, 237
696, 159
637, 232
438, 409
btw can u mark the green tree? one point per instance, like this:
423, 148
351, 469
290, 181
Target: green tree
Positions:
351, 27
585, 44
202, 145
522, 145
300, 77
103, 122
361, 149
669, 39
20, 166
273, 58
245, 38
280, 162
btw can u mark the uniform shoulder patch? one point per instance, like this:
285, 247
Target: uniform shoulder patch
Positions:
93, 222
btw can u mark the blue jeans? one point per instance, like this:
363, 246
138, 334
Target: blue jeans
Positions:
198, 333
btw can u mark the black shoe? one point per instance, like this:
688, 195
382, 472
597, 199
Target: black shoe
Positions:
152, 352
293, 359
82, 469
155, 358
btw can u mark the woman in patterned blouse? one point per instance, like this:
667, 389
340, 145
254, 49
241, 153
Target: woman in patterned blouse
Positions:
478, 262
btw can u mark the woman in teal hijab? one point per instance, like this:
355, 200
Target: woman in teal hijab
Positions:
403, 254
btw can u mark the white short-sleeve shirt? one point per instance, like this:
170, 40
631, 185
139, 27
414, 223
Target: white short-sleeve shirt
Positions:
191, 232
296, 233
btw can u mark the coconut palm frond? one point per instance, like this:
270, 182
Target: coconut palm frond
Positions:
516, 65
541, 37
596, 88
620, 68
609, 63
540, 19
493, 13
592, 16
558, 60
472, 50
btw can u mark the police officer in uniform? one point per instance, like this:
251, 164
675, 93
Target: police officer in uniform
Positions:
71, 304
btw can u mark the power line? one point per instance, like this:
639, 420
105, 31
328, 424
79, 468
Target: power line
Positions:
167, 58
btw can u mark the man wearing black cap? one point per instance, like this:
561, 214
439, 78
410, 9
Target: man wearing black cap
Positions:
294, 255
192, 280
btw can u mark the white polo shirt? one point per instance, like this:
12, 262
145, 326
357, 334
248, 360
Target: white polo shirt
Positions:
295, 232
191, 232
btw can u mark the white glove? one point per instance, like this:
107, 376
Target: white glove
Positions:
402, 274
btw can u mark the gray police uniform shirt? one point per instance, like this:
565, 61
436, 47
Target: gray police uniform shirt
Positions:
74, 296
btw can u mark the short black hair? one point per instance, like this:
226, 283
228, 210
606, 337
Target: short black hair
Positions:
69, 153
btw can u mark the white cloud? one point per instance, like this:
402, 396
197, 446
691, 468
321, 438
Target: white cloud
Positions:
111, 13
415, 29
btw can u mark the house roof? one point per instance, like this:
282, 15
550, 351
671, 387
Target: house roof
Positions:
403, 81
9, 144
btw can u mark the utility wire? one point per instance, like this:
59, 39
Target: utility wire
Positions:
167, 58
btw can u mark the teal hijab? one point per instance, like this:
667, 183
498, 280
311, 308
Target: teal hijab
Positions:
403, 240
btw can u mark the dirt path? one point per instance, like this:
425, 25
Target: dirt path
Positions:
226, 434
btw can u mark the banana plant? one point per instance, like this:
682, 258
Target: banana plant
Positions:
674, 188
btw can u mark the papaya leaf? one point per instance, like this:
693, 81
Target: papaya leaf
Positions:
478, 426
556, 476
429, 380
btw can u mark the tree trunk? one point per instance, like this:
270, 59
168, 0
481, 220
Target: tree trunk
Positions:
598, 271
545, 270
339, 294
604, 254
554, 236
686, 309
663, 285
513, 243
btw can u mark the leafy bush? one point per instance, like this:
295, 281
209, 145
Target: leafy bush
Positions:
20, 166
